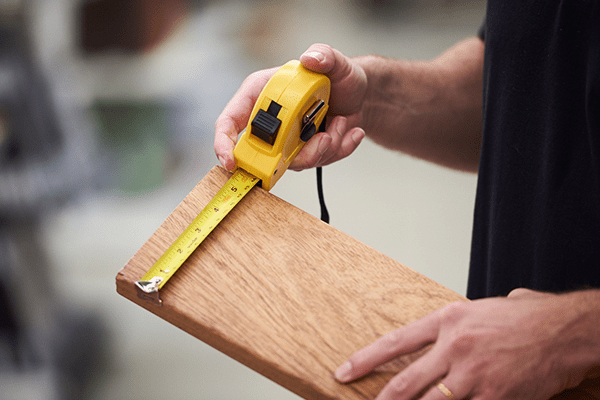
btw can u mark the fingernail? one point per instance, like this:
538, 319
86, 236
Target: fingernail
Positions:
358, 136
316, 55
343, 372
222, 161
324, 144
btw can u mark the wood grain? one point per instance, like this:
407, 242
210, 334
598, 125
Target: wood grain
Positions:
284, 293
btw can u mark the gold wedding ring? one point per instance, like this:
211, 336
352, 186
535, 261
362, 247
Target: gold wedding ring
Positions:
445, 391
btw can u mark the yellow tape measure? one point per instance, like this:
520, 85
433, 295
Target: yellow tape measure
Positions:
228, 196
286, 115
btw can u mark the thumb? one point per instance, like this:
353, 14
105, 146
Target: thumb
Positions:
348, 79
523, 293
327, 60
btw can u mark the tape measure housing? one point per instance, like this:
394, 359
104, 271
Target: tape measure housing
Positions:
290, 94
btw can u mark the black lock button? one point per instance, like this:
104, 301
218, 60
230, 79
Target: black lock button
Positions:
265, 124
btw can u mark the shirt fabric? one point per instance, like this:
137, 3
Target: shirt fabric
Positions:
537, 212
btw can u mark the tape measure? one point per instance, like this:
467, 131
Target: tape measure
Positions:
285, 116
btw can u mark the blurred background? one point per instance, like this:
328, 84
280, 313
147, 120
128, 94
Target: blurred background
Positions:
107, 109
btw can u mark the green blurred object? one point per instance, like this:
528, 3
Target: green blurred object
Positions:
136, 136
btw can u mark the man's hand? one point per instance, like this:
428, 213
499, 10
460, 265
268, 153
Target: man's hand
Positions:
530, 345
342, 137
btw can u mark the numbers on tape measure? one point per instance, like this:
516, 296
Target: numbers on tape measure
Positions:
240, 183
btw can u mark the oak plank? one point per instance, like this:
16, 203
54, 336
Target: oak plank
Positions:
284, 293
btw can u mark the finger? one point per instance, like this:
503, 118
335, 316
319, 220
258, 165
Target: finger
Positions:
236, 114
416, 377
327, 60
336, 130
323, 151
312, 152
328, 148
225, 139
404, 340
318, 146
350, 141
452, 388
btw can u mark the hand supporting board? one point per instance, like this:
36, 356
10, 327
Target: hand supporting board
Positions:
284, 293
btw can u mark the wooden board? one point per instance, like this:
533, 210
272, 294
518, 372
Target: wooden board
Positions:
284, 293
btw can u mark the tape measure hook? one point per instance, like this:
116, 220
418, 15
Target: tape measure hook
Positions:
148, 290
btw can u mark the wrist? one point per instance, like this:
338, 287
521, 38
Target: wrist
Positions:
399, 93
428, 109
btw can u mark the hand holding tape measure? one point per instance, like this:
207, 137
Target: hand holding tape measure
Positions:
286, 115
348, 90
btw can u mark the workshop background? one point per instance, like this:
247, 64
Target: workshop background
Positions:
107, 111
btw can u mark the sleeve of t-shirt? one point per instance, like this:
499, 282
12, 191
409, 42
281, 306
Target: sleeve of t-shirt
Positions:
481, 31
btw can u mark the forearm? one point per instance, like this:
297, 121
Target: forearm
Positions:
431, 110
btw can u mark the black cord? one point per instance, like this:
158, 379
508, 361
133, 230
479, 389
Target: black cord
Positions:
324, 213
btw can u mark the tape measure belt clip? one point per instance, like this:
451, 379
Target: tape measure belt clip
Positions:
308, 121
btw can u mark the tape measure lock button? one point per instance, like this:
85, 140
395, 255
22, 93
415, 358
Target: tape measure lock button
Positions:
265, 124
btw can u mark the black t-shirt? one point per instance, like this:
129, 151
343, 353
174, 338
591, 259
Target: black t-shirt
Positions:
537, 213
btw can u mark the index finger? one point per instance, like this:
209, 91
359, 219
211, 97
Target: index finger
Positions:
401, 341
236, 114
